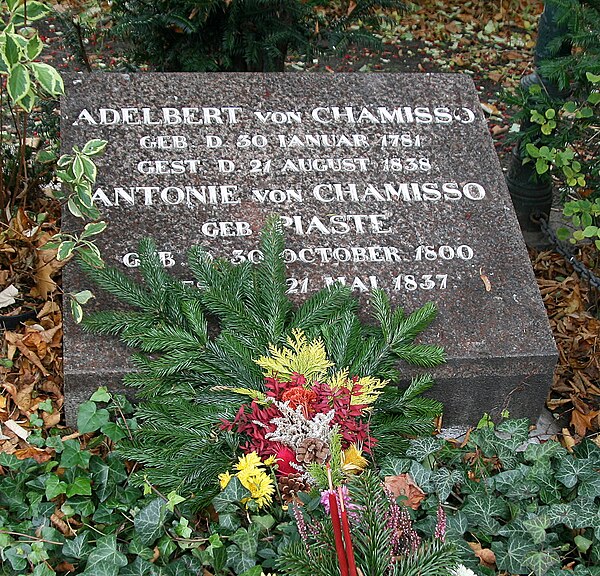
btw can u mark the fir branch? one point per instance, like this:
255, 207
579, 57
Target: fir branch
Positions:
425, 355
121, 286
321, 306
269, 284
343, 338
430, 559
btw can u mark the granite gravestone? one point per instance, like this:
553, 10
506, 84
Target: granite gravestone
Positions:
387, 181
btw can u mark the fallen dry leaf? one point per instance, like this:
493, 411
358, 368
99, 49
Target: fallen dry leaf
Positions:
17, 429
582, 423
40, 456
485, 555
485, 280
46, 266
404, 485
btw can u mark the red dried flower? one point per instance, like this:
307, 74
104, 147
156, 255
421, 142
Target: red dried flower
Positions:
298, 396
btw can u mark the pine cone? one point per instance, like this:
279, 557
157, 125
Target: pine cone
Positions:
290, 485
312, 450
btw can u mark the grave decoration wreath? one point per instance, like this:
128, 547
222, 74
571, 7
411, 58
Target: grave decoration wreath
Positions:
278, 401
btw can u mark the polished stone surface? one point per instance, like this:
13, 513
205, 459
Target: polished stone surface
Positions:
383, 180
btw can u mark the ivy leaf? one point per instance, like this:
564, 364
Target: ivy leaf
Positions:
481, 509
444, 480
228, 522
114, 431
420, 448
541, 561
506, 481
136, 547
536, 527
458, 523
90, 418
105, 559
79, 547
585, 513
43, 570
173, 499
391, 466
80, 486
517, 428
72, 455
421, 476
256, 571
560, 514
238, 560
589, 486
139, 567
246, 540
54, 487
234, 492
544, 451
570, 470
148, 522
510, 556
185, 566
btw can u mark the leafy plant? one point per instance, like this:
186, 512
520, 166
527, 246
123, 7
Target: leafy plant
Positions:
78, 512
585, 217
560, 134
24, 84
255, 35
535, 506
27, 88
190, 376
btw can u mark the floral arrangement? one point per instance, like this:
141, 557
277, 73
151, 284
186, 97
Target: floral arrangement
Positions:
307, 417
308, 438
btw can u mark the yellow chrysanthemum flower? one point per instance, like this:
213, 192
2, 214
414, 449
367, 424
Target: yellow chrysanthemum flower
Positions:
261, 489
248, 462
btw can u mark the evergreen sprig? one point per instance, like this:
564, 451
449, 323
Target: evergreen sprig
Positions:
187, 366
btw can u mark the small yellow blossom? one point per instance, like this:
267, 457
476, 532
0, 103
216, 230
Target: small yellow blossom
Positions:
271, 461
261, 488
224, 479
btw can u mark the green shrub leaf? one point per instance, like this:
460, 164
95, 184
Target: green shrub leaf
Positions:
19, 83
48, 78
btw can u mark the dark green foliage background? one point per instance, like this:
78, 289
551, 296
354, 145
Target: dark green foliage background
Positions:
242, 35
